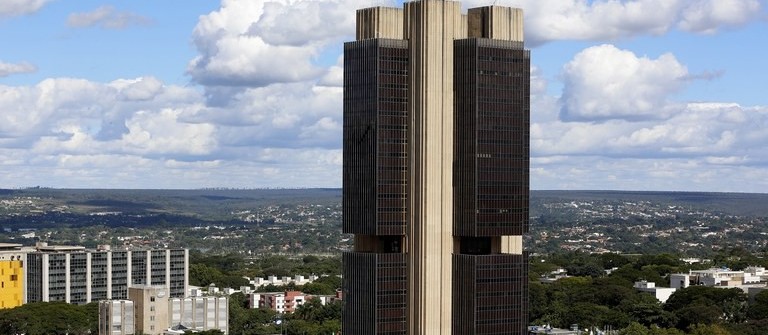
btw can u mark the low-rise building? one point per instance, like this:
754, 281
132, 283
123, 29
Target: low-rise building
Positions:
548, 330
281, 302
116, 317
288, 301
719, 277
155, 313
661, 294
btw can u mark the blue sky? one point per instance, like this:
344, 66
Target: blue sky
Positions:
633, 95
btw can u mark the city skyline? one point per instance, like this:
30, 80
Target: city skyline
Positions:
193, 95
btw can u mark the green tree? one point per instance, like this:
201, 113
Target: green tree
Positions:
654, 330
648, 311
707, 305
758, 308
206, 332
697, 313
708, 329
47, 318
317, 289
634, 328
204, 275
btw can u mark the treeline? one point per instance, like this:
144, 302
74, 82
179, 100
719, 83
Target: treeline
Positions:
592, 298
311, 318
56, 220
231, 270
50, 318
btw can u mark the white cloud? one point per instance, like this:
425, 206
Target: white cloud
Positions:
301, 23
254, 43
334, 76
143, 133
676, 174
32, 110
280, 115
707, 16
20, 7
159, 133
604, 82
270, 114
106, 17
144, 88
697, 130
7, 69
705, 146
605, 20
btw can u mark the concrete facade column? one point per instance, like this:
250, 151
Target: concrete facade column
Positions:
432, 26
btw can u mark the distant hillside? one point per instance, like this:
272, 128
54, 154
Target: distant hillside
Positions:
220, 203
207, 204
743, 204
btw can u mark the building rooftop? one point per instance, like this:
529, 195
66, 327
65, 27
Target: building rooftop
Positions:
549, 330
10, 246
59, 248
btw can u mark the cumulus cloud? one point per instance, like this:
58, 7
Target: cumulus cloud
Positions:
144, 88
641, 174
281, 115
32, 110
707, 146
106, 17
20, 7
708, 16
604, 82
550, 20
268, 110
160, 133
74, 130
304, 22
254, 43
721, 138
7, 69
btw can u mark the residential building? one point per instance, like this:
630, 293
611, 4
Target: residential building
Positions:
436, 170
297, 279
77, 275
288, 301
281, 302
11, 275
116, 317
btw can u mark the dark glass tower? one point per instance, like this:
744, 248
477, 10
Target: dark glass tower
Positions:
436, 177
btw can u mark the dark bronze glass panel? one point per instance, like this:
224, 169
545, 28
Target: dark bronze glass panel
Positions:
491, 148
375, 137
374, 293
490, 294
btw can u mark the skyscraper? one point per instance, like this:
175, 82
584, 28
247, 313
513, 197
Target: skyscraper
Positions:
436, 180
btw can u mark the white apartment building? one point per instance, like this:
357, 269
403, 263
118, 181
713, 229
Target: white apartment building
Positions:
76, 275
